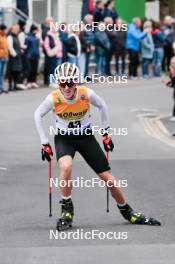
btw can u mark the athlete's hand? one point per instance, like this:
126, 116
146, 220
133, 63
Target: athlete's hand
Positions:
46, 152
107, 142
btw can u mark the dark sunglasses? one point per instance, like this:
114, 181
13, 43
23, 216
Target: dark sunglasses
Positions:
69, 84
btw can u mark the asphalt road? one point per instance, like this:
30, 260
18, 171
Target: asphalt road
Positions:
145, 162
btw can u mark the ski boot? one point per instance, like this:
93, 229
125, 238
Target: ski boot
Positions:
67, 212
136, 217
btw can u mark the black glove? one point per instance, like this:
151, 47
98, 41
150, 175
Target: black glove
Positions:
107, 142
46, 152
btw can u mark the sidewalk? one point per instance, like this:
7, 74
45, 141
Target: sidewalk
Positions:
170, 125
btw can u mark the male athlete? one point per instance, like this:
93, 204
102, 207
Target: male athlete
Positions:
71, 107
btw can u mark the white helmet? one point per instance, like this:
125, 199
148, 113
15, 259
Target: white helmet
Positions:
66, 72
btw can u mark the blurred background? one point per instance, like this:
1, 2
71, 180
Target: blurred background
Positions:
30, 50
70, 10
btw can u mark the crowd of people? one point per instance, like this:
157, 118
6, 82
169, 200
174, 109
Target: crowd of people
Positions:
144, 43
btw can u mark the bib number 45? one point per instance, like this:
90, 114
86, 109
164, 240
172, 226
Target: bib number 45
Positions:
75, 124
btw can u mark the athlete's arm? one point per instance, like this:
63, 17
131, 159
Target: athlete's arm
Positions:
40, 112
101, 105
98, 102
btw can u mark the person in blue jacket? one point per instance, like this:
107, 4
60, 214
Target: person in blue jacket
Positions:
99, 11
63, 33
109, 10
102, 47
89, 40
32, 54
147, 49
133, 40
159, 41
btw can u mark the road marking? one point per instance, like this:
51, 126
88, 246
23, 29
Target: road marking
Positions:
143, 110
155, 128
2, 168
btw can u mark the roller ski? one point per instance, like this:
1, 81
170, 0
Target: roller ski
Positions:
67, 212
136, 217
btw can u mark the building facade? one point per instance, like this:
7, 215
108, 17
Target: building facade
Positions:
62, 10
70, 10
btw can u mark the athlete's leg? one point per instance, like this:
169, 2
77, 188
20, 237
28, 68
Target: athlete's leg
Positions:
65, 164
65, 152
95, 157
125, 209
112, 182
67, 208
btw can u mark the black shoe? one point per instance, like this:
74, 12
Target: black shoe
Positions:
67, 210
136, 217
67, 213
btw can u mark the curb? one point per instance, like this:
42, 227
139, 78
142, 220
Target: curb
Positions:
155, 128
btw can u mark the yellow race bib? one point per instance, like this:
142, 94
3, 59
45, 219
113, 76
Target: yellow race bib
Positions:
71, 111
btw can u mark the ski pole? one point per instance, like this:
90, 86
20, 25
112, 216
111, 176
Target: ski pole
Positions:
50, 188
107, 190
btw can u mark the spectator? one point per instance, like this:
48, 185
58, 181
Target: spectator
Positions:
74, 47
173, 48
111, 33
53, 52
147, 49
3, 55
99, 11
22, 39
133, 39
63, 33
89, 38
87, 8
171, 84
45, 28
169, 33
102, 46
91, 6
120, 48
158, 39
32, 55
109, 11
15, 58
82, 57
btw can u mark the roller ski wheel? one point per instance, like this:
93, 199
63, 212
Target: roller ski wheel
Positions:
67, 213
137, 218
63, 225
